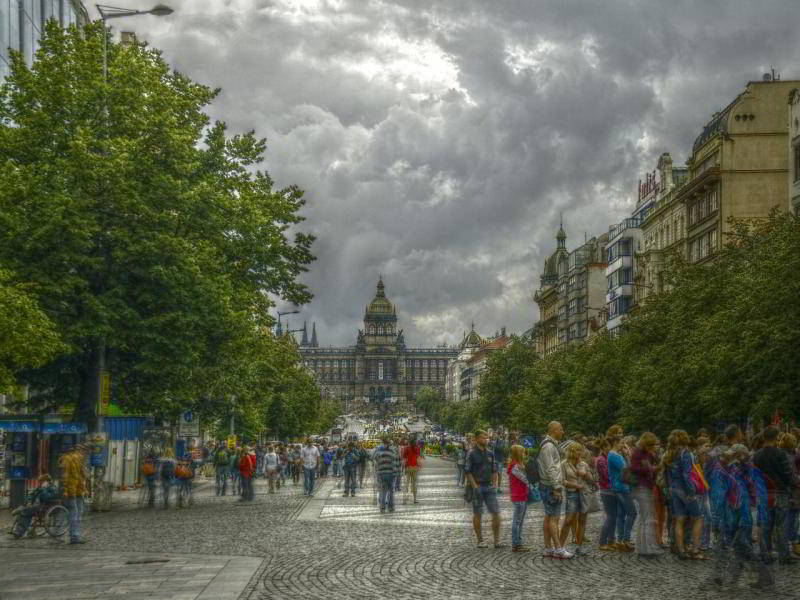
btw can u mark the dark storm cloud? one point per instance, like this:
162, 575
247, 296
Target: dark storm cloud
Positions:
439, 142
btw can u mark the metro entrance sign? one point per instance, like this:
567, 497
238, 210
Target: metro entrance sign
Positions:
189, 425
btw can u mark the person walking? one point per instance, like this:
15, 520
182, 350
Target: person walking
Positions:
221, 469
296, 464
327, 458
74, 477
607, 497
551, 488
385, 461
482, 478
233, 468
150, 474
773, 462
398, 450
184, 476
461, 459
271, 465
519, 490
247, 468
167, 473
412, 463
362, 464
309, 457
644, 467
350, 462
577, 478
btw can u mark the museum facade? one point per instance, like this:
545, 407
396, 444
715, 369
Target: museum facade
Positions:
379, 370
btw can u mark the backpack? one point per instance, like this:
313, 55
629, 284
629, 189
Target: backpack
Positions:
183, 472
532, 466
221, 458
148, 468
168, 469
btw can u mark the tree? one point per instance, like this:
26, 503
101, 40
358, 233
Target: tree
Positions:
504, 377
153, 242
28, 338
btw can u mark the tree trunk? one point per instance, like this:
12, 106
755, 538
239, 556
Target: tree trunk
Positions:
86, 405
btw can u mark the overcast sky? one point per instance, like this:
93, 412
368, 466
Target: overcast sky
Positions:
438, 142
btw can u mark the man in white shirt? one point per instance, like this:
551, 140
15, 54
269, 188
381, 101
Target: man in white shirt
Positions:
310, 457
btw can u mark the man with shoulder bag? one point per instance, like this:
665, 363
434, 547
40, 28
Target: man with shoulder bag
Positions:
551, 488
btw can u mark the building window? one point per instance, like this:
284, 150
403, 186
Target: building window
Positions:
571, 306
562, 312
572, 281
562, 335
797, 162
712, 201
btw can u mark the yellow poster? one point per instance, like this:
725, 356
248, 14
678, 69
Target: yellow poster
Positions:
231, 442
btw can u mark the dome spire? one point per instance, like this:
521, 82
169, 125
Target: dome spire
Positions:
381, 293
561, 237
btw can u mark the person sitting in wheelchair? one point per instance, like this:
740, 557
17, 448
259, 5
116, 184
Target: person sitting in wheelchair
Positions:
42, 497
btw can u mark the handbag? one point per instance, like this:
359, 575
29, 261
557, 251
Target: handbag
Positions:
533, 494
593, 503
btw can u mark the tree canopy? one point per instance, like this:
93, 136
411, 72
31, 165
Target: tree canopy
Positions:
153, 240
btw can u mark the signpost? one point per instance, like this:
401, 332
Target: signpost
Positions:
105, 393
189, 425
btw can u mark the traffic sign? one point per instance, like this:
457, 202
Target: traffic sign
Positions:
527, 441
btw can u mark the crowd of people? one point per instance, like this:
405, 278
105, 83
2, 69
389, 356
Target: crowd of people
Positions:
733, 496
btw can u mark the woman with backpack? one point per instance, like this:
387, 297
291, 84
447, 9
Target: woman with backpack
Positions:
167, 472
150, 474
621, 478
683, 492
184, 476
644, 466
519, 488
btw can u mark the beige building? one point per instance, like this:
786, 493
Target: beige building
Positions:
738, 168
663, 225
572, 294
469, 345
794, 152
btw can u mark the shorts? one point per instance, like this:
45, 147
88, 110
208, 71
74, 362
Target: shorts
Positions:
576, 503
484, 495
272, 473
551, 509
683, 507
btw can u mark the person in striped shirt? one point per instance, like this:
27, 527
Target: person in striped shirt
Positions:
385, 460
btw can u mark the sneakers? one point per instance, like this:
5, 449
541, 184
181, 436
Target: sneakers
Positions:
581, 551
562, 553
548, 553
520, 549
483, 544
608, 548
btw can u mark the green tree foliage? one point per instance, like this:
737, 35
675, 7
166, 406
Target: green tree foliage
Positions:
505, 377
28, 337
153, 241
719, 346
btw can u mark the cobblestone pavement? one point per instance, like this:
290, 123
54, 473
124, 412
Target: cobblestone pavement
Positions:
335, 547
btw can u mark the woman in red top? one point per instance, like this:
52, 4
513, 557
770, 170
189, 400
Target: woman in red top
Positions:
519, 496
412, 462
247, 466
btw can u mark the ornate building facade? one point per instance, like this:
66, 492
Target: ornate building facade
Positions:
379, 370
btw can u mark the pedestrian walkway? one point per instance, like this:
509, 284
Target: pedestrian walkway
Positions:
46, 574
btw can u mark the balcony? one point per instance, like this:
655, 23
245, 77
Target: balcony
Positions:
625, 289
621, 262
616, 230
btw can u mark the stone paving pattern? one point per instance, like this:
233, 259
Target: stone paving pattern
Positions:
332, 547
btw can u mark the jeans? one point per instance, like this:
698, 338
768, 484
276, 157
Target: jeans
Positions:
386, 496
792, 530
627, 509
184, 491
362, 470
308, 480
609, 501
777, 522
520, 508
705, 537
350, 473
398, 480
166, 484
247, 488
150, 481
461, 475
75, 507
221, 480
23, 522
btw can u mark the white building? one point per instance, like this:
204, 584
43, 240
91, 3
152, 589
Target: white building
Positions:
22, 23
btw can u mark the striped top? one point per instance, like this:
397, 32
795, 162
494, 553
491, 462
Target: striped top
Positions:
385, 460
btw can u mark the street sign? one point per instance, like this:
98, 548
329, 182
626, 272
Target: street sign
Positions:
105, 393
189, 425
527, 441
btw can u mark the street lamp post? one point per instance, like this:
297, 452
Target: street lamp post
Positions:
280, 314
114, 12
